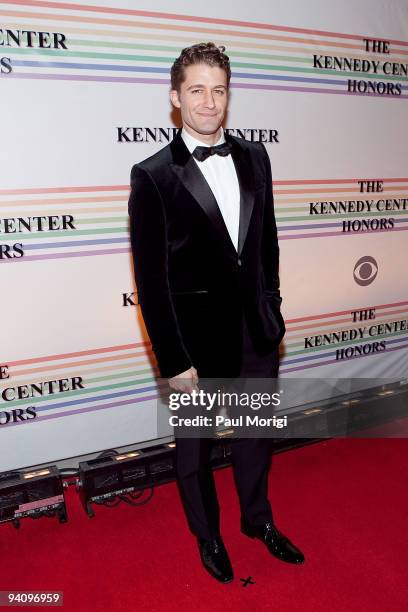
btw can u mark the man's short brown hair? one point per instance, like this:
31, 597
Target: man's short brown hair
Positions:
202, 53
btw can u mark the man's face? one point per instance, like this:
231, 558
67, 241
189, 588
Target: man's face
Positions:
202, 99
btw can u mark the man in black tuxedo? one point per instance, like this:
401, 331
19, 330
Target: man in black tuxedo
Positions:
206, 260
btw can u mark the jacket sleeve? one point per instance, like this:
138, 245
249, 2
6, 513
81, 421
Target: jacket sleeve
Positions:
149, 249
270, 246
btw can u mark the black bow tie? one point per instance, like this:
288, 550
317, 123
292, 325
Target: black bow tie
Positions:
201, 153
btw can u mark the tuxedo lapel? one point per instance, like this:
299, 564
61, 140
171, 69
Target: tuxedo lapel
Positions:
192, 178
243, 166
190, 175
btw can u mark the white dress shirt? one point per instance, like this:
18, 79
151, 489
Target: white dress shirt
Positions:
221, 176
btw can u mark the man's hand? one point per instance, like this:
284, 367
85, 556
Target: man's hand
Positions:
185, 382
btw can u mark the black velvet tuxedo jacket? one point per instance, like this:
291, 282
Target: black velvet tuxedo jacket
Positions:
193, 286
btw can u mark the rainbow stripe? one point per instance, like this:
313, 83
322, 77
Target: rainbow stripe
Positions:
107, 44
294, 221
297, 358
113, 376
101, 215
123, 375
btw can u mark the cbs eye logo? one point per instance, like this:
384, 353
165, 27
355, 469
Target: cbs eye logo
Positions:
365, 270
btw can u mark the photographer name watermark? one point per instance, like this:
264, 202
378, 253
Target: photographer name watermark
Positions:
223, 421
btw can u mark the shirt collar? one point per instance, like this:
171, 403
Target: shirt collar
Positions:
191, 142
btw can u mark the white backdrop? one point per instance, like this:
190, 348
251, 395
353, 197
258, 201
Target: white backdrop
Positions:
62, 302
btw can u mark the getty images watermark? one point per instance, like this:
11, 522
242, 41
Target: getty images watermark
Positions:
197, 403
285, 407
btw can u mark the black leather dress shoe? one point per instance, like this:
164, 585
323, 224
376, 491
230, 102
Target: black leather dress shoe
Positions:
215, 559
277, 543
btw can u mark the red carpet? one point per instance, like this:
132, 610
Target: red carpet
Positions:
343, 502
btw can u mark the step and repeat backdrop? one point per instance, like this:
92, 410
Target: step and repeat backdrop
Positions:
84, 94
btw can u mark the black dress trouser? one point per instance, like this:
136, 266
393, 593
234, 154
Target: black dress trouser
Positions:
250, 460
